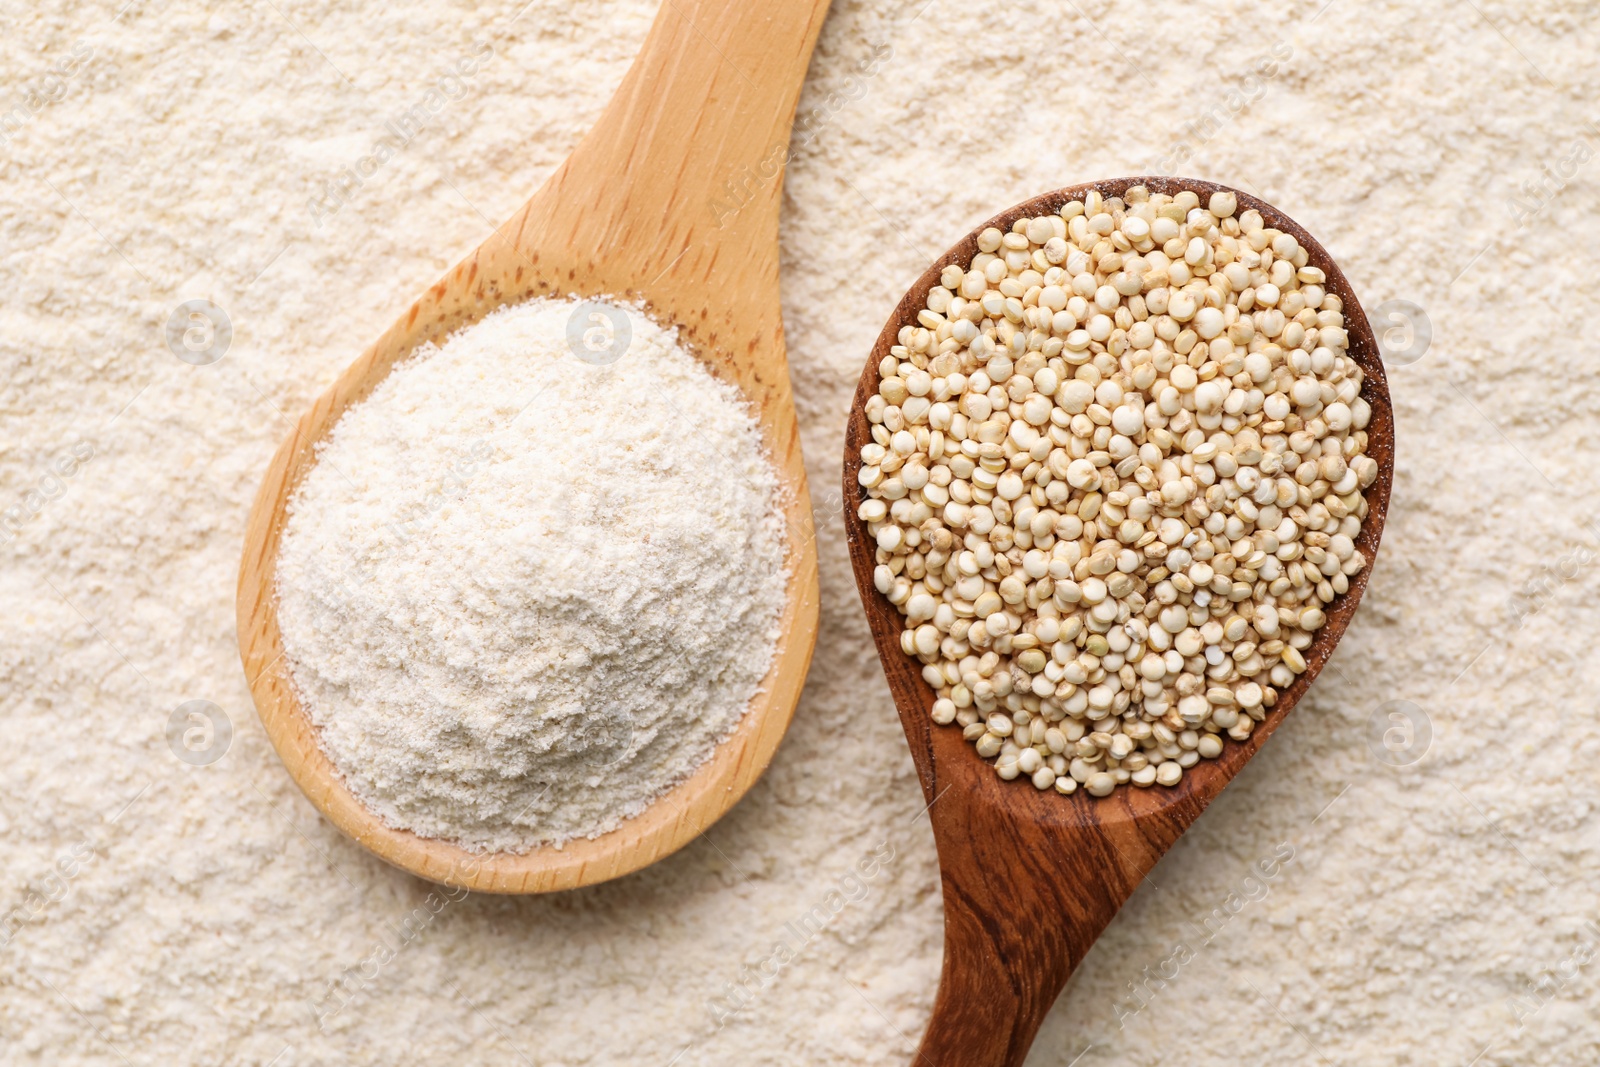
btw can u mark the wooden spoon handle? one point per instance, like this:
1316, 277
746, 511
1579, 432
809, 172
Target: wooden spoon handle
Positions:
1030, 879
997, 984
690, 152
1025, 897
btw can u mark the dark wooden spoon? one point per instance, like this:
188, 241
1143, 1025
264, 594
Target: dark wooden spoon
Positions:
1032, 878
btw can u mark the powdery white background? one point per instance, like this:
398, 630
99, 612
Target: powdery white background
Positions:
208, 909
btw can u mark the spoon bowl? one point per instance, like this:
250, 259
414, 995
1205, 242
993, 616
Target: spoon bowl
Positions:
1032, 877
670, 203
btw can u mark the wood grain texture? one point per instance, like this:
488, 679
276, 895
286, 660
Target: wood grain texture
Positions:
672, 201
1031, 878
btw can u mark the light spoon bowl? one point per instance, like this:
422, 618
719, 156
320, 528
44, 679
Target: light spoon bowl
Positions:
671, 201
1031, 878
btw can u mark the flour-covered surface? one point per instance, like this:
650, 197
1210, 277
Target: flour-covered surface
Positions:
1330, 908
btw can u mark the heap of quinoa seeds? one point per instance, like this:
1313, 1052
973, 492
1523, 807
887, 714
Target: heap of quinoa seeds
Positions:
1115, 479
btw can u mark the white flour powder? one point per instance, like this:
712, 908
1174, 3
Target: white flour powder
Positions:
531, 581
217, 911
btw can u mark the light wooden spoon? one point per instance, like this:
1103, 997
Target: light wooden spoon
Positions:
671, 199
1031, 879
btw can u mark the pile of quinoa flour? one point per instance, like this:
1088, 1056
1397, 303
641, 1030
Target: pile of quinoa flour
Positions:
1407, 874
529, 584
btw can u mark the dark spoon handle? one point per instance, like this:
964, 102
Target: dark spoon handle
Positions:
1023, 903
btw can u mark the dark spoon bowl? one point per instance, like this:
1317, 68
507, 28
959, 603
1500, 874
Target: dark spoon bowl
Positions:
1031, 878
